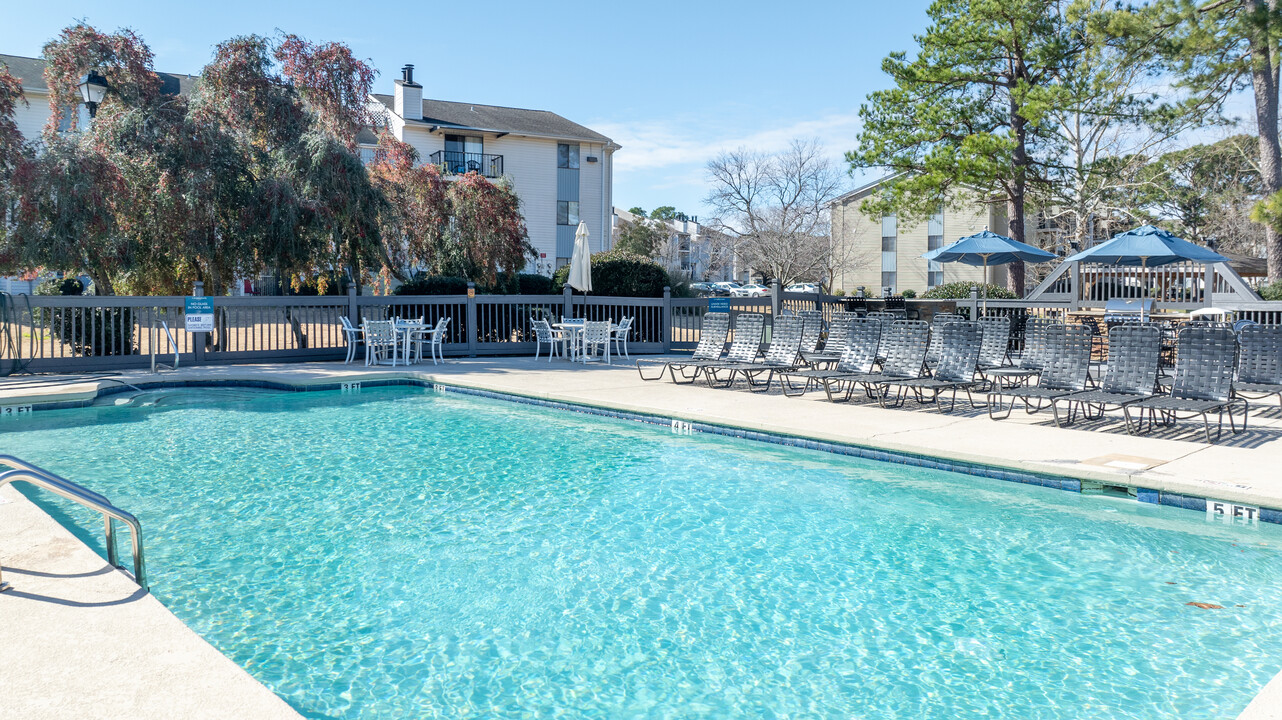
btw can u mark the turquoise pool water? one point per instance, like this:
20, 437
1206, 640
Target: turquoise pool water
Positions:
406, 553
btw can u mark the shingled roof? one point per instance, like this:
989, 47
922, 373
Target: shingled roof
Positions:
497, 119
32, 73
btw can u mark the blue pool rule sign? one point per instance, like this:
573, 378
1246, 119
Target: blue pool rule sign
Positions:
719, 305
198, 314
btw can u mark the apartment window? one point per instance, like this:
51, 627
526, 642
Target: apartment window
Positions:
888, 243
567, 212
567, 156
367, 155
935, 278
888, 280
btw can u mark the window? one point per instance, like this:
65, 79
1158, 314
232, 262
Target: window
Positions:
934, 242
567, 212
888, 244
567, 156
888, 280
367, 155
935, 278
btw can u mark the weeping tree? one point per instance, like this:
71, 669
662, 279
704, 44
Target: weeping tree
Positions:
414, 224
489, 233
13, 150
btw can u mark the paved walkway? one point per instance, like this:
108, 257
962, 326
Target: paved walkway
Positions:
61, 647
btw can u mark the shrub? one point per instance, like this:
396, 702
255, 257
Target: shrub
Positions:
961, 291
534, 284
1272, 291
909, 293
620, 274
839, 292
433, 285
89, 331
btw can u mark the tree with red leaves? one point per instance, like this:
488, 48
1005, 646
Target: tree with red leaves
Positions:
417, 217
13, 149
334, 84
489, 231
122, 58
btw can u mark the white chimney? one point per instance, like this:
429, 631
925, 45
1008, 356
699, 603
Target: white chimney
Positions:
409, 95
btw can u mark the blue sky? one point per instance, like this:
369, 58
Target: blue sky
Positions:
673, 82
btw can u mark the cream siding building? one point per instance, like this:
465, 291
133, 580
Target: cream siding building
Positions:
562, 171
886, 253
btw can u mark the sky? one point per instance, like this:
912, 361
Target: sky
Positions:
673, 82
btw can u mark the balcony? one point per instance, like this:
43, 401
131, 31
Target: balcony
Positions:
453, 162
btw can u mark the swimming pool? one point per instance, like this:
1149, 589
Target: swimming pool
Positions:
408, 553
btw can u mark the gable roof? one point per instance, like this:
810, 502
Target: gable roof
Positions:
497, 119
32, 73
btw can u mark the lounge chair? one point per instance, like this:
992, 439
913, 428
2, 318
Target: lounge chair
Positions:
713, 331
811, 330
937, 322
958, 359
784, 353
862, 338
1133, 354
994, 350
745, 346
835, 343
1034, 356
1063, 368
904, 343
1203, 383
885, 318
1259, 372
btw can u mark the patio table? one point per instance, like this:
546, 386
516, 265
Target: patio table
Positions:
574, 328
407, 331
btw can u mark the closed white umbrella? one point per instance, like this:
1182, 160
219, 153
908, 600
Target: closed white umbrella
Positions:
581, 261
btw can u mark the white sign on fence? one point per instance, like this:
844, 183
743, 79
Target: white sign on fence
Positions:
198, 315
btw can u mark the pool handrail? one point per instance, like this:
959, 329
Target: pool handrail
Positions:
24, 471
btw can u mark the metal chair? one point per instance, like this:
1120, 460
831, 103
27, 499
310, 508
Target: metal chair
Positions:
620, 336
959, 356
1034, 355
713, 331
937, 322
835, 342
1259, 372
994, 351
1133, 356
381, 339
784, 352
353, 336
545, 335
1063, 367
1203, 383
596, 337
811, 330
862, 337
745, 346
904, 343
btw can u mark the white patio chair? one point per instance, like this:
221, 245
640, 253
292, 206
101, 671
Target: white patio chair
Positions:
436, 340
596, 336
620, 337
381, 339
353, 336
544, 334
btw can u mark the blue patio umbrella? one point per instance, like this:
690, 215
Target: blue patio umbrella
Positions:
988, 248
1146, 247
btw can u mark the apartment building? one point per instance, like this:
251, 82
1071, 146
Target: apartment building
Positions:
562, 171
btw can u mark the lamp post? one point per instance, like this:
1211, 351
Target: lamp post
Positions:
93, 88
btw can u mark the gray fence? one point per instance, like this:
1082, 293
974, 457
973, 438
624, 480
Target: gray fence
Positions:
55, 333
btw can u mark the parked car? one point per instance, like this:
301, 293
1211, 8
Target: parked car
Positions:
803, 288
752, 290
702, 288
726, 287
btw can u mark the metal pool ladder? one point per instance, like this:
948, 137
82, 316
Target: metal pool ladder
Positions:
26, 472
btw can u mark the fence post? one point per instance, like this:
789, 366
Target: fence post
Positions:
667, 319
471, 319
974, 303
198, 342
774, 297
353, 312
567, 310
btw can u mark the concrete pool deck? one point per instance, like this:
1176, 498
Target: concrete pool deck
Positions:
46, 663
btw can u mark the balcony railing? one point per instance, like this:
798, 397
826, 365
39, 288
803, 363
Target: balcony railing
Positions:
453, 162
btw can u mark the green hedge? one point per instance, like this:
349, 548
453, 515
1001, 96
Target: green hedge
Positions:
433, 285
961, 291
620, 274
1272, 291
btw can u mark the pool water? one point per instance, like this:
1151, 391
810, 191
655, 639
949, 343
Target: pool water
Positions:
409, 553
